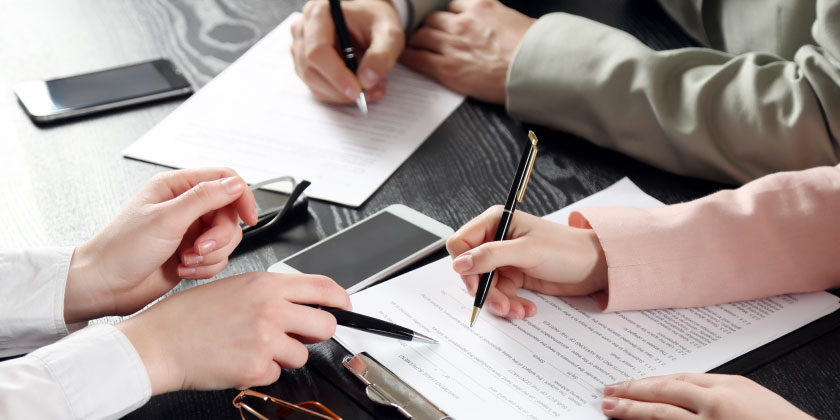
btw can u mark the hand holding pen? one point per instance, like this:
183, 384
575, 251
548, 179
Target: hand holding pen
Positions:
377, 38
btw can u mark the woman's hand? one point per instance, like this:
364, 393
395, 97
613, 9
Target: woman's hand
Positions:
182, 224
696, 396
233, 332
538, 255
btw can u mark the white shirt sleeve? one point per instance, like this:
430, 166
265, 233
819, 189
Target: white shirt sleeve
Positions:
404, 12
94, 373
32, 299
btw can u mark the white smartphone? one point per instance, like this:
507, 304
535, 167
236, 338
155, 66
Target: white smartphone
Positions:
57, 99
371, 249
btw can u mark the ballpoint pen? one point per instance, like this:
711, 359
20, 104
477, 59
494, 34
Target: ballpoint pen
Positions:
373, 325
517, 191
347, 51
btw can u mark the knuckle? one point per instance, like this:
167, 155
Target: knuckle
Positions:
659, 412
315, 52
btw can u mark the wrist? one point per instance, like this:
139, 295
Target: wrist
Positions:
84, 296
597, 276
146, 342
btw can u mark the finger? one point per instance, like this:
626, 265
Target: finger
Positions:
624, 409
519, 306
471, 283
223, 228
314, 289
321, 88
498, 303
314, 325
705, 380
191, 259
495, 254
459, 6
669, 390
430, 39
169, 185
201, 272
181, 211
387, 42
444, 21
431, 64
320, 53
291, 353
480, 229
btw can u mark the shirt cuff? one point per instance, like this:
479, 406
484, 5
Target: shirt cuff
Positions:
32, 299
99, 371
403, 11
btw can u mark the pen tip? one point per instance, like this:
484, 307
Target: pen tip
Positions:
423, 338
361, 102
476, 311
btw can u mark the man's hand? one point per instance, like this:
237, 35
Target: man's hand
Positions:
469, 48
182, 224
377, 35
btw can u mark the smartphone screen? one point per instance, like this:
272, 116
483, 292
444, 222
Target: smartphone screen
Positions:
102, 90
111, 85
364, 250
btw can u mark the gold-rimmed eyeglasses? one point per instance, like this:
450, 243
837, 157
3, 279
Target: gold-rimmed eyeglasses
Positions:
253, 404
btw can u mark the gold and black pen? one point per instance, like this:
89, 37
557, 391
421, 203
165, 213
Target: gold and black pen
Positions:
517, 191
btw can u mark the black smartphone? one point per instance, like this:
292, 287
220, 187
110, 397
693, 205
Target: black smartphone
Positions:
57, 99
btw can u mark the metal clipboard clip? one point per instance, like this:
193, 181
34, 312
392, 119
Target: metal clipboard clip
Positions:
384, 387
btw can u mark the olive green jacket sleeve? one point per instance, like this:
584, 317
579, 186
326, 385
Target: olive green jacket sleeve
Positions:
729, 117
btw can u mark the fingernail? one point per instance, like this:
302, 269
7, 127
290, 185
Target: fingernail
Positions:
369, 78
232, 185
206, 247
351, 93
609, 403
463, 263
192, 259
610, 389
496, 308
186, 272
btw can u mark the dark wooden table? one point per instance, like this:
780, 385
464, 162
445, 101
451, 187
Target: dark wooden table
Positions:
61, 184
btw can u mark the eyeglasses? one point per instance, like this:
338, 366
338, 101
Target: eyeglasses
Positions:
272, 217
283, 409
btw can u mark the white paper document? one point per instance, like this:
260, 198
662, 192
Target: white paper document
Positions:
555, 364
260, 119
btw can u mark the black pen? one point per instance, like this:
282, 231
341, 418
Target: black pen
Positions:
517, 191
347, 48
373, 325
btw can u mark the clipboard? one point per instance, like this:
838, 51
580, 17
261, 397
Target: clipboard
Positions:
385, 388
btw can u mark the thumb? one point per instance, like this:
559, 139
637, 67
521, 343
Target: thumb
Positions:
201, 199
492, 255
386, 45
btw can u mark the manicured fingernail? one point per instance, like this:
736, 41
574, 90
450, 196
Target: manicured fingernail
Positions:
232, 185
351, 93
186, 272
369, 78
609, 403
610, 389
464, 262
206, 247
192, 259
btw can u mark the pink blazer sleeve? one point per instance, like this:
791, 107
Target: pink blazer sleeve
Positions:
778, 234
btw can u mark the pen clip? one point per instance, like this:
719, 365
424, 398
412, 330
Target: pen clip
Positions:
533, 138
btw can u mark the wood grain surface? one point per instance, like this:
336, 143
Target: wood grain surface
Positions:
62, 183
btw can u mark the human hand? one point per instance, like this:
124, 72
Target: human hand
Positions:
378, 38
538, 255
181, 224
469, 48
233, 332
696, 396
